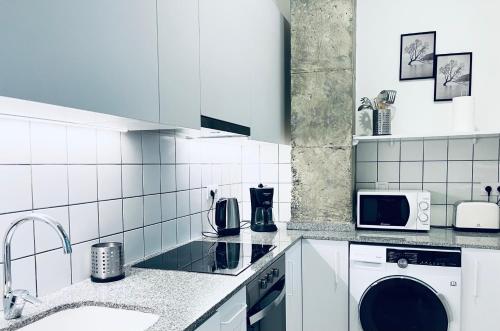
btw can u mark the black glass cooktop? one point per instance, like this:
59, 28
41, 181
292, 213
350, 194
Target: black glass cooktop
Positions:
208, 257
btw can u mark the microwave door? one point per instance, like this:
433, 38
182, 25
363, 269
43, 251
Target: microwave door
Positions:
385, 211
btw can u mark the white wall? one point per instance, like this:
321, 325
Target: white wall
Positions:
461, 26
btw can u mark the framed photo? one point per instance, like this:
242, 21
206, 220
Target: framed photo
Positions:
453, 76
416, 58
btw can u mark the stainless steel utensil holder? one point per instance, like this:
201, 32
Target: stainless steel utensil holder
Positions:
107, 262
382, 122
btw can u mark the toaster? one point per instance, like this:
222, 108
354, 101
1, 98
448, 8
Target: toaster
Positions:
476, 216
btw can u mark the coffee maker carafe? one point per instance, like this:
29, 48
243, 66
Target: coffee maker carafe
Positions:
261, 199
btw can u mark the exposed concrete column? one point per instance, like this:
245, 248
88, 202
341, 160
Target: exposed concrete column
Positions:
322, 33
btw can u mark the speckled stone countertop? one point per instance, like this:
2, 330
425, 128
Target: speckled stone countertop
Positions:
185, 300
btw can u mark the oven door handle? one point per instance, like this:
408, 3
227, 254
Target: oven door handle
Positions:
265, 311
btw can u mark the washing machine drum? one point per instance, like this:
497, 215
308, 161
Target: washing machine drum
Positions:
402, 303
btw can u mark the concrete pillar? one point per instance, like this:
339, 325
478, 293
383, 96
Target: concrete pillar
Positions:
322, 71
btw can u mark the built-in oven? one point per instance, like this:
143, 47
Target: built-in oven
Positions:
266, 299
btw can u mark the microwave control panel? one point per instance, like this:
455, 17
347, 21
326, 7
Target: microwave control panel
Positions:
424, 208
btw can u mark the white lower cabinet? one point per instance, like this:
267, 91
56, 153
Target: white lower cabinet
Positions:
325, 279
293, 283
231, 316
480, 289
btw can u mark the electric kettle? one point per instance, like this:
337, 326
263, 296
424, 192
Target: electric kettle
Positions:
227, 217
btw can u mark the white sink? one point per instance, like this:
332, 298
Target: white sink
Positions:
94, 318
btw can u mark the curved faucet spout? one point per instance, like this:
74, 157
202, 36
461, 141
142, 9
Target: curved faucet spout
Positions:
12, 302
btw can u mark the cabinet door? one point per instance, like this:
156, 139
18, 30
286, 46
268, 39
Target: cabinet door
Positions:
325, 285
212, 324
293, 282
480, 289
94, 55
233, 313
226, 59
268, 73
179, 62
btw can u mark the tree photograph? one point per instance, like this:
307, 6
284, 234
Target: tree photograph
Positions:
417, 55
453, 76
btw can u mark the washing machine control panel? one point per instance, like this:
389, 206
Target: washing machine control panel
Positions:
424, 257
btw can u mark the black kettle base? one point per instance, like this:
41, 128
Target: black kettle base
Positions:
264, 227
228, 232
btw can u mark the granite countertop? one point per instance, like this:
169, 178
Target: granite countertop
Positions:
185, 300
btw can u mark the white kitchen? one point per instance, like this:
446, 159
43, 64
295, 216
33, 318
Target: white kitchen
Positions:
257, 165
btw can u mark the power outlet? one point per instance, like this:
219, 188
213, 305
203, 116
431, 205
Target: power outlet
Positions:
494, 191
214, 188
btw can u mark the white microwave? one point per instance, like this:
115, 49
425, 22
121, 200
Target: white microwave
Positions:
394, 210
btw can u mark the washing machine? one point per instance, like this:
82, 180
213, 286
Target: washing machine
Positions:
404, 288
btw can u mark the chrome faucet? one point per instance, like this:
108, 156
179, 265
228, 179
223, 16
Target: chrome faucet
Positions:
14, 300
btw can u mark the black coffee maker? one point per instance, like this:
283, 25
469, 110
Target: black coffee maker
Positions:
262, 209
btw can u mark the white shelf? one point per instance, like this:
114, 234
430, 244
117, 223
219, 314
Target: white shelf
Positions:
473, 135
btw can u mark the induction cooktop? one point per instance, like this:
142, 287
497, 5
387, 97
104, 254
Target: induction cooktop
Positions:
208, 257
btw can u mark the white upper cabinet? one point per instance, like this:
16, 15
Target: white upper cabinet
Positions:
92, 55
179, 62
268, 73
226, 57
480, 289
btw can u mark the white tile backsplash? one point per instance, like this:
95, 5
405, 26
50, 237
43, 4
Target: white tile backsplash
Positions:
388, 172
460, 171
133, 213
182, 176
134, 245
167, 150
15, 190
486, 149
48, 144
15, 142
82, 145
150, 148
168, 234
388, 151
147, 190
485, 171
460, 149
167, 177
183, 198
82, 183
152, 239
50, 185
131, 180
131, 145
109, 181
183, 229
152, 209
152, 181
110, 217
168, 206
84, 222
435, 150
108, 147
453, 169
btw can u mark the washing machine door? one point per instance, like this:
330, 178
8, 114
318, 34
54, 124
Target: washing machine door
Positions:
402, 303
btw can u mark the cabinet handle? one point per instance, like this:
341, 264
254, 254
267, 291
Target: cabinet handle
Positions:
289, 283
337, 268
231, 320
476, 276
